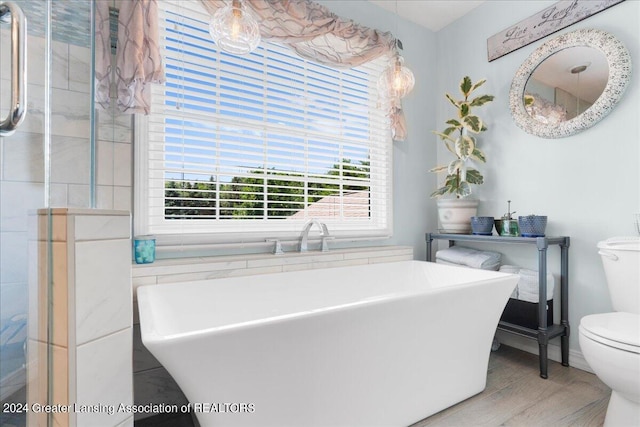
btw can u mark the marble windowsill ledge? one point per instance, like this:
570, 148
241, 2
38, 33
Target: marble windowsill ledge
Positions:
203, 268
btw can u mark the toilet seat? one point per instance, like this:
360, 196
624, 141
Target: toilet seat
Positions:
618, 330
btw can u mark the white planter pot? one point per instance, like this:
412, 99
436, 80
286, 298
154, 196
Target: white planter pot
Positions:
455, 215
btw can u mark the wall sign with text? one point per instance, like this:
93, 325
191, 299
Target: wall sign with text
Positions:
554, 18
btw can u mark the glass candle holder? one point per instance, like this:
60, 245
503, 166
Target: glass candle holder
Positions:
144, 249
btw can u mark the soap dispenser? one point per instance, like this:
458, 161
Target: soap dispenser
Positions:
508, 225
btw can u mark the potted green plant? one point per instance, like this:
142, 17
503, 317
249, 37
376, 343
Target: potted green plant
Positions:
459, 139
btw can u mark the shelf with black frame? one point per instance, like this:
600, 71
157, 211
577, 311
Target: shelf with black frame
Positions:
544, 332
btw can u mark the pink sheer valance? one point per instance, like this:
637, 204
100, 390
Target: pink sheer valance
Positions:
138, 62
314, 31
317, 34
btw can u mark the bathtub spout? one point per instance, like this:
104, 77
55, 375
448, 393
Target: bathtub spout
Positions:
304, 237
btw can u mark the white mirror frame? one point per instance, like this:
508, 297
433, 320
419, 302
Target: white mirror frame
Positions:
619, 62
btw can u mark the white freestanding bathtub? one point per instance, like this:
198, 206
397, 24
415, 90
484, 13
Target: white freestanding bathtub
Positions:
373, 345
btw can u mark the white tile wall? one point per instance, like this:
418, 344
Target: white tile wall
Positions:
104, 376
103, 295
122, 198
185, 269
70, 113
114, 160
35, 60
79, 69
16, 198
104, 154
114, 127
101, 226
34, 119
78, 196
13, 263
23, 156
122, 164
60, 66
58, 195
5, 59
328, 264
70, 160
104, 196
13, 299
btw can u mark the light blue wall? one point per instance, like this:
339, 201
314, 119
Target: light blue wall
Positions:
588, 184
413, 210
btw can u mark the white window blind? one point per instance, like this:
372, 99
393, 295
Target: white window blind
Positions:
258, 144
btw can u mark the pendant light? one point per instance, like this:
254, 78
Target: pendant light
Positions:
396, 80
234, 30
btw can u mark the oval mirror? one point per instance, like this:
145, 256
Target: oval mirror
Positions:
569, 83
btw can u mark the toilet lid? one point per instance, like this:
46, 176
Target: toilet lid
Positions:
618, 329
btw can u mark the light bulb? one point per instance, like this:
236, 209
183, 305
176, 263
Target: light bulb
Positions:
397, 80
235, 23
234, 30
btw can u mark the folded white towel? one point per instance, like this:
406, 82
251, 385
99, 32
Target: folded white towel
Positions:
493, 267
528, 287
511, 269
506, 268
455, 254
443, 262
529, 282
530, 297
485, 260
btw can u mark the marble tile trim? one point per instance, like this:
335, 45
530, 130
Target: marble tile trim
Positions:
103, 227
204, 268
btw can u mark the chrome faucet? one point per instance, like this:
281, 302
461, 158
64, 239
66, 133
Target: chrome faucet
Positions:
324, 234
277, 246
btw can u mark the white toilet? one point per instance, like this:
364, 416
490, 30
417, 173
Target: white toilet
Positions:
610, 342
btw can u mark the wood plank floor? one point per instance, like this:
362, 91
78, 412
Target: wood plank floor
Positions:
517, 396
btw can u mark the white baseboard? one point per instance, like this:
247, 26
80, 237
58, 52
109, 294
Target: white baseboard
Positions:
576, 359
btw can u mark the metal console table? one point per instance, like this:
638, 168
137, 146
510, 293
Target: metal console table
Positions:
544, 332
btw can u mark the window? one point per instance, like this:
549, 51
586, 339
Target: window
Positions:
237, 148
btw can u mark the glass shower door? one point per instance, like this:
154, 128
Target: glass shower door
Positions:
45, 163
22, 192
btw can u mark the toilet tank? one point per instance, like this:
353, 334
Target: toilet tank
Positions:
621, 261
